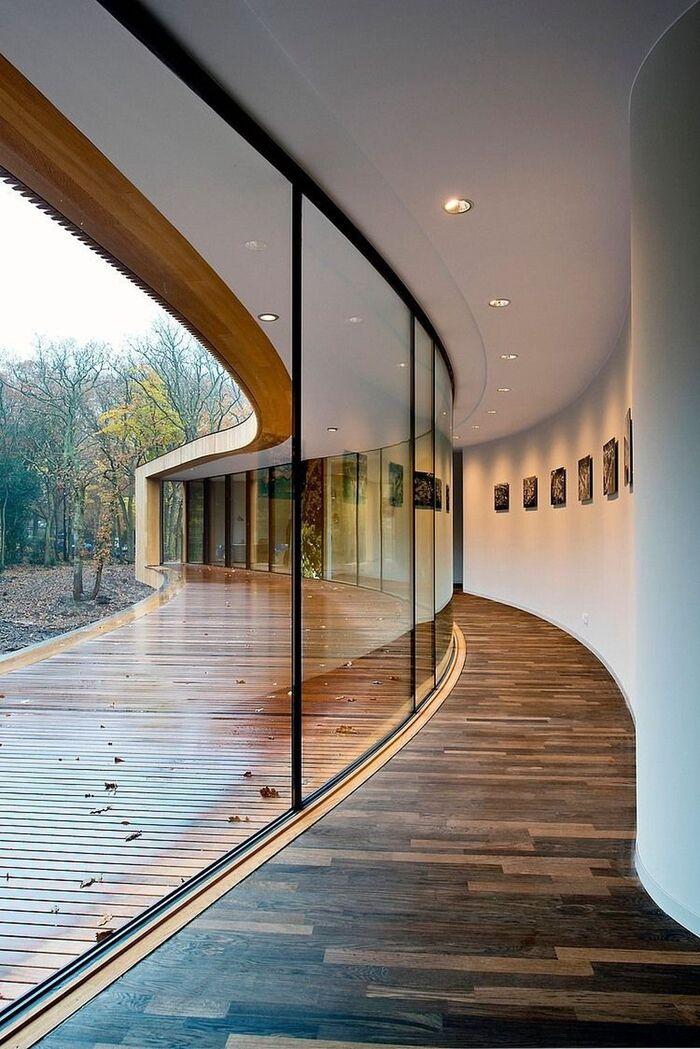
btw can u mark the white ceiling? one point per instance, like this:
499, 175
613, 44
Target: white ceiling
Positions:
520, 105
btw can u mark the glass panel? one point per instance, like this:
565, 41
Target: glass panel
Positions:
443, 515
195, 522
237, 519
341, 518
172, 497
259, 503
356, 417
312, 514
424, 501
369, 519
217, 521
281, 516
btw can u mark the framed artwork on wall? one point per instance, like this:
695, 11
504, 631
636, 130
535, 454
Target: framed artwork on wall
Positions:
610, 469
438, 493
627, 456
585, 479
423, 490
395, 484
530, 493
501, 497
447, 498
558, 486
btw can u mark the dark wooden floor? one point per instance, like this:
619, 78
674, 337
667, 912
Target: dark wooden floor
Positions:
133, 760
478, 891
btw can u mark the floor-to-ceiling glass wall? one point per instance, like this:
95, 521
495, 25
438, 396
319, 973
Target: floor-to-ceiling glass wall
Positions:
424, 502
356, 415
443, 516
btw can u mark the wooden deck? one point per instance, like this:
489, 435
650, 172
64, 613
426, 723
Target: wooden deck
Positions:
477, 891
123, 760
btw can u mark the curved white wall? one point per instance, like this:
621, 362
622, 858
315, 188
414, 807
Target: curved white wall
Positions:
563, 563
665, 137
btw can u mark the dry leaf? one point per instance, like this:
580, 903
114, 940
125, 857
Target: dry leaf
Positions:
248, 774
103, 934
239, 819
118, 761
110, 786
105, 919
269, 792
344, 730
136, 834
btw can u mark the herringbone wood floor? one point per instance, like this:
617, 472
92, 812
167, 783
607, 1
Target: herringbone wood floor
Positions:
477, 891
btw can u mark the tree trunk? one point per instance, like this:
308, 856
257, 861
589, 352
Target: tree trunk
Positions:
77, 535
3, 519
98, 581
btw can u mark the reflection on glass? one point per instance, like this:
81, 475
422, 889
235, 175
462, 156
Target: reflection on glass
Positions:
312, 517
172, 520
237, 520
443, 516
281, 517
217, 520
424, 500
259, 503
356, 412
195, 522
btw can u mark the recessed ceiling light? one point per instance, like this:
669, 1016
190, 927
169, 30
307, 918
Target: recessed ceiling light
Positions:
455, 436
509, 356
401, 364
332, 429
504, 389
491, 411
268, 316
457, 206
255, 245
499, 304
475, 426
353, 320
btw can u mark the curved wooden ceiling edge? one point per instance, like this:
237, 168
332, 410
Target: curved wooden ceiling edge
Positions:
49, 155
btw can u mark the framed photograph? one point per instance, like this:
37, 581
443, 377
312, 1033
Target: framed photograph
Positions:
610, 456
558, 486
501, 497
423, 490
585, 479
395, 484
438, 493
530, 493
627, 463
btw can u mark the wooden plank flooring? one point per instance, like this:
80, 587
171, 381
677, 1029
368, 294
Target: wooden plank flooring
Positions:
123, 759
477, 891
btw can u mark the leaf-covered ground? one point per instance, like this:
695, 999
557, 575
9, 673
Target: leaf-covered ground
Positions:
37, 602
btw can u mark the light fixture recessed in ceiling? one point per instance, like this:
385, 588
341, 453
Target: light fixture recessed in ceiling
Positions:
269, 317
255, 245
401, 364
353, 320
332, 429
509, 356
491, 411
457, 206
499, 304
504, 389
475, 426
455, 436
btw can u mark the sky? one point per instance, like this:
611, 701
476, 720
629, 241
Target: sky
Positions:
53, 286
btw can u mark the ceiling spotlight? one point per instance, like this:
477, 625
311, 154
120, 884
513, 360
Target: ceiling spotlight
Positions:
332, 429
509, 356
499, 304
455, 436
491, 411
255, 245
353, 320
475, 426
504, 389
457, 206
401, 364
268, 316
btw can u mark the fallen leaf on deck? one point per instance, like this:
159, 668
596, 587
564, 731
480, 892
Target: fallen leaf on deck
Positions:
344, 730
110, 786
239, 819
118, 761
240, 681
103, 934
98, 812
86, 884
269, 792
248, 774
348, 664
105, 919
136, 834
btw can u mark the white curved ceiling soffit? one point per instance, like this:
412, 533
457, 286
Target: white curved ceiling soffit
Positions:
519, 105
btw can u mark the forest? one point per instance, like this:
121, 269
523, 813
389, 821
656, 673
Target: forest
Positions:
75, 423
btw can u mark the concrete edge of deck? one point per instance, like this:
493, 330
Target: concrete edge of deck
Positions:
50, 1011
170, 585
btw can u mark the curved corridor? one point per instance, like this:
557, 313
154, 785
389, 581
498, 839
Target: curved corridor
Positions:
479, 890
